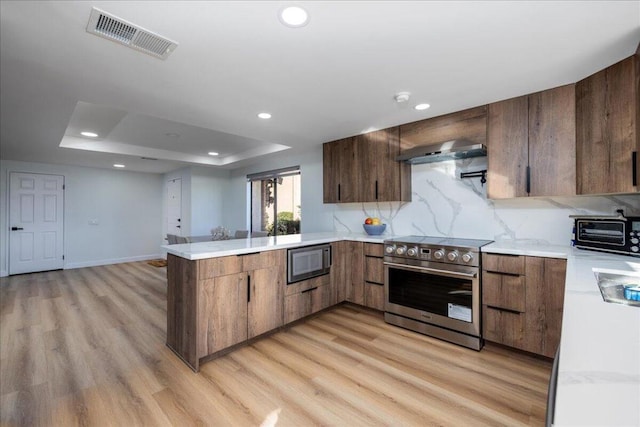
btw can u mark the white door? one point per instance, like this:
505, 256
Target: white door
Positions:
36, 223
174, 207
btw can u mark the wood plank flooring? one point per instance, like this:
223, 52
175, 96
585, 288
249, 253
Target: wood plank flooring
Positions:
87, 347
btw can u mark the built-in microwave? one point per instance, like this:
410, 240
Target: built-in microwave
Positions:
615, 234
307, 262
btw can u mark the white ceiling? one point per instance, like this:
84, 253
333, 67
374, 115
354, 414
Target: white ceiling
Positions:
333, 78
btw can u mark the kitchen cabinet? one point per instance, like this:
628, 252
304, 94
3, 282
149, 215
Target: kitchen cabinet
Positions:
363, 169
468, 124
522, 301
607, 134
340, 275
374, 276
213, 304
355, 284
307, 297
265, 280
532, 145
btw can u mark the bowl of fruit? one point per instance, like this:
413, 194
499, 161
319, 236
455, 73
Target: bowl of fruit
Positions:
373, 227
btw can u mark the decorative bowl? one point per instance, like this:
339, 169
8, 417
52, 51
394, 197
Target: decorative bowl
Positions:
374, 230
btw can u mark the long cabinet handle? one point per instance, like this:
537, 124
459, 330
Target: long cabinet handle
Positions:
376, 189
338, 191
528, 179
249, 288
634, 168
431, 270
309, 290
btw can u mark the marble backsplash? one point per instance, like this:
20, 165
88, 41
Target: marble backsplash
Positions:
443, 204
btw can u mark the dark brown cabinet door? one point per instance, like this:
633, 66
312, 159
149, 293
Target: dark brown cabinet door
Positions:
340, 271
364, 169
331, 171
552, 142
507, 155
265, 300
607, 110
532, 145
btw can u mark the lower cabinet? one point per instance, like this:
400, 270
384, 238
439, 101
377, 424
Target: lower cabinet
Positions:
522, 301
374, 276
307, 297
216, 303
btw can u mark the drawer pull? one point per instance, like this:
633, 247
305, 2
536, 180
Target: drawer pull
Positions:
309, 290
508, 310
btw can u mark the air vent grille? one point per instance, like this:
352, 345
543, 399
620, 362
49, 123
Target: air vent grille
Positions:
113, 28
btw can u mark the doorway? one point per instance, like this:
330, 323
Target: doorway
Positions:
36, 221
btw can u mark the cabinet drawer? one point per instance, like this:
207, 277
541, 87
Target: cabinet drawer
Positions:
296, 306
373, 270
321, 298
504, 327
266, 259
298, 287
511, 264
503, 291
222, 266
374, 249
374, 295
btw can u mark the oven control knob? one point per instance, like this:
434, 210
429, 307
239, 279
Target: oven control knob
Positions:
390, 249
467, 257
401, 250
412, 251
439, 254
635, 249
452, 256
634, 241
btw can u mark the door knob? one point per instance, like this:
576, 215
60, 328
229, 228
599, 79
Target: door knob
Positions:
16, 228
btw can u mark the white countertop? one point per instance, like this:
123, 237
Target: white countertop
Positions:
599, 365
218, 248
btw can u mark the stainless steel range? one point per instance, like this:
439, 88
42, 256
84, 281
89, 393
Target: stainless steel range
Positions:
432, 286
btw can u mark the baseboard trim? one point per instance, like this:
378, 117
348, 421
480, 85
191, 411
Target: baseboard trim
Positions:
4, 273
96, 263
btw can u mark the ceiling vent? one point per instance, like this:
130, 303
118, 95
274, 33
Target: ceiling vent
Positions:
118, 30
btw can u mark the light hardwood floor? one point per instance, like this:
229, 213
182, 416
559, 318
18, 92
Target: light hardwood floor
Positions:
87, 347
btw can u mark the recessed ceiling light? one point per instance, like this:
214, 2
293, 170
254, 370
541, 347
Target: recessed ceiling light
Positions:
118, 165
89, 134
422, 106
264, 116
213, 153
294, 16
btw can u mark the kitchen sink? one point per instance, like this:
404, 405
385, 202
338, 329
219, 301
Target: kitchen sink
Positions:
619, 288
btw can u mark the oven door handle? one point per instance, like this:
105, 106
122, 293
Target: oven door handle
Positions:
432, 270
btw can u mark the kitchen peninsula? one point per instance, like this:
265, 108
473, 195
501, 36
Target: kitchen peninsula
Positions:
598, 374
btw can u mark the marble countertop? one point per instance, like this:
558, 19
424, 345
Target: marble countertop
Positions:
218, 248
511, 247
599, 365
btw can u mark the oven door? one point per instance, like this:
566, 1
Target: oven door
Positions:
440, 294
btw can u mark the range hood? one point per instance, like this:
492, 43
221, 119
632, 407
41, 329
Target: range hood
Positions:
448, 150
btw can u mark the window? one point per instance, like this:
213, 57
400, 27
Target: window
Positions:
275, 201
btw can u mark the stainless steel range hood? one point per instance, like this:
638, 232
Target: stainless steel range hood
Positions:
448, 150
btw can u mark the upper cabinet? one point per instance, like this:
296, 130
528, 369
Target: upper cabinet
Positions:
532, 145
363, 168
469, 124
607, 120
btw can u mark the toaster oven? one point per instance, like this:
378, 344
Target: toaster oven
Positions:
615, 234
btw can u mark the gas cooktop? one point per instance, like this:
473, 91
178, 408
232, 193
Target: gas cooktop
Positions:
434, 249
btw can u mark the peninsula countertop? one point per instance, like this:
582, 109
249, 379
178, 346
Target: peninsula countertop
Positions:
218, 248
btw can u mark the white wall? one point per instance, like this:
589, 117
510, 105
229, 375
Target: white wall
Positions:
315, 215
128, 206
445, 205
208, 188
